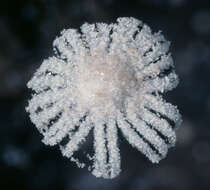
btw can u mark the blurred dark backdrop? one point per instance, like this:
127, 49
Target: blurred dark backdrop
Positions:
27, 29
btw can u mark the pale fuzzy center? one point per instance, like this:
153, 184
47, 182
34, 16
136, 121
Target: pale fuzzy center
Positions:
104, 81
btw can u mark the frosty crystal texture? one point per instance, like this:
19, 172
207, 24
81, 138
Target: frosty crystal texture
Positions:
107, 78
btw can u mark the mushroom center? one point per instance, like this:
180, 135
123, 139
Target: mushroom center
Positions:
105, 80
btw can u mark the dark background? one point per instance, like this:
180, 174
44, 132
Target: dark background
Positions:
27, 30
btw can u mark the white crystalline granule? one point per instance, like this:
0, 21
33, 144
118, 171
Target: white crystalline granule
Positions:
107, 78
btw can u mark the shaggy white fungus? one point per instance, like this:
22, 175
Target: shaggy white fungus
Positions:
107, 77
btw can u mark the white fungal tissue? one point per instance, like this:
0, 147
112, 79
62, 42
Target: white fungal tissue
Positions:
107, 79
